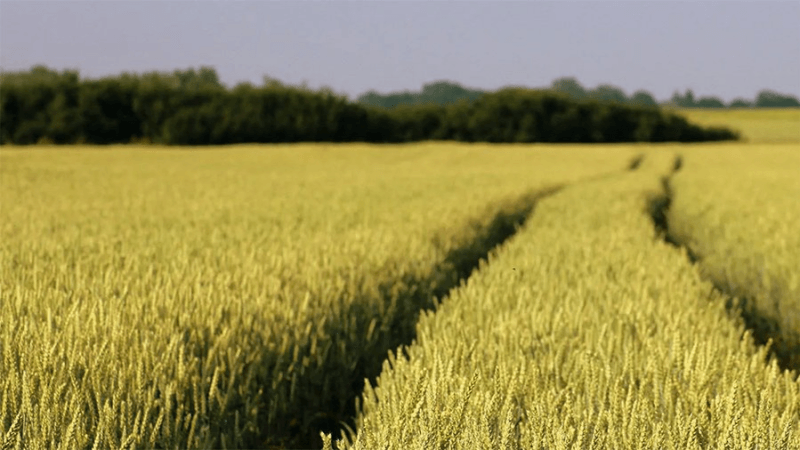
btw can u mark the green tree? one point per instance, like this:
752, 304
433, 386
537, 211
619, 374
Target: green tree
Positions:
154, 102
709, 102
205, 77
771, 99
569, 86
643, 98
446, 92
107, 110
608, 93
684, 101
40, 105
741, 103
437, 93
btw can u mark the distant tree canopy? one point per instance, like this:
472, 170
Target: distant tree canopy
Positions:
608, 93
771, 99
709, 102
569, 86
687, 100
192, 107
764, 99
436, 93
446, 93
643, 98
603, 93
741, 103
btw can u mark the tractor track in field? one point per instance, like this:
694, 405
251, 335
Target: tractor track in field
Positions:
461, 263
458, 266
763, 328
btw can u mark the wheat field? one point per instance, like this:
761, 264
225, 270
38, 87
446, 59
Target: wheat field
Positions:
494, 296
584, 332
235, 297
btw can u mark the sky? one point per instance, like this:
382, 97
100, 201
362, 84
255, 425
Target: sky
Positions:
723, 48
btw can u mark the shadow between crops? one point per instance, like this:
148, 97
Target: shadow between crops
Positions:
367, 336
764, 329
635, 162
422, 295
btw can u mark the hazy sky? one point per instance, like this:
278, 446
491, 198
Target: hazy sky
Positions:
723, 48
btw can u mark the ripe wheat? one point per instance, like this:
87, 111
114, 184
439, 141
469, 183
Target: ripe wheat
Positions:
738, 209
227, 298
585, 331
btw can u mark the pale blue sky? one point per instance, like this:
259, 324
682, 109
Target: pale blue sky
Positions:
724, 48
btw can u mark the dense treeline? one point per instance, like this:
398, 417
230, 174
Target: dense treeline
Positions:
185, 107
605, 92
437, 93
765, 99
524, 115
193, 108
444, 92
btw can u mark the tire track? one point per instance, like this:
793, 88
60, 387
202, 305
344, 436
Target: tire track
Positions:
765, 330
457, 267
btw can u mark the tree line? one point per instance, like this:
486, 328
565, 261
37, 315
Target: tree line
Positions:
437, 93
445, 92
765, 99
192, 107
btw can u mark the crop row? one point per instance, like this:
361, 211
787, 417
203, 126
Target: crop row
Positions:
737, 210
584, 331
235, 297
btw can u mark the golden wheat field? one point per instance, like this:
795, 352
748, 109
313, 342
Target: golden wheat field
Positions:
493, 296
777, 125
